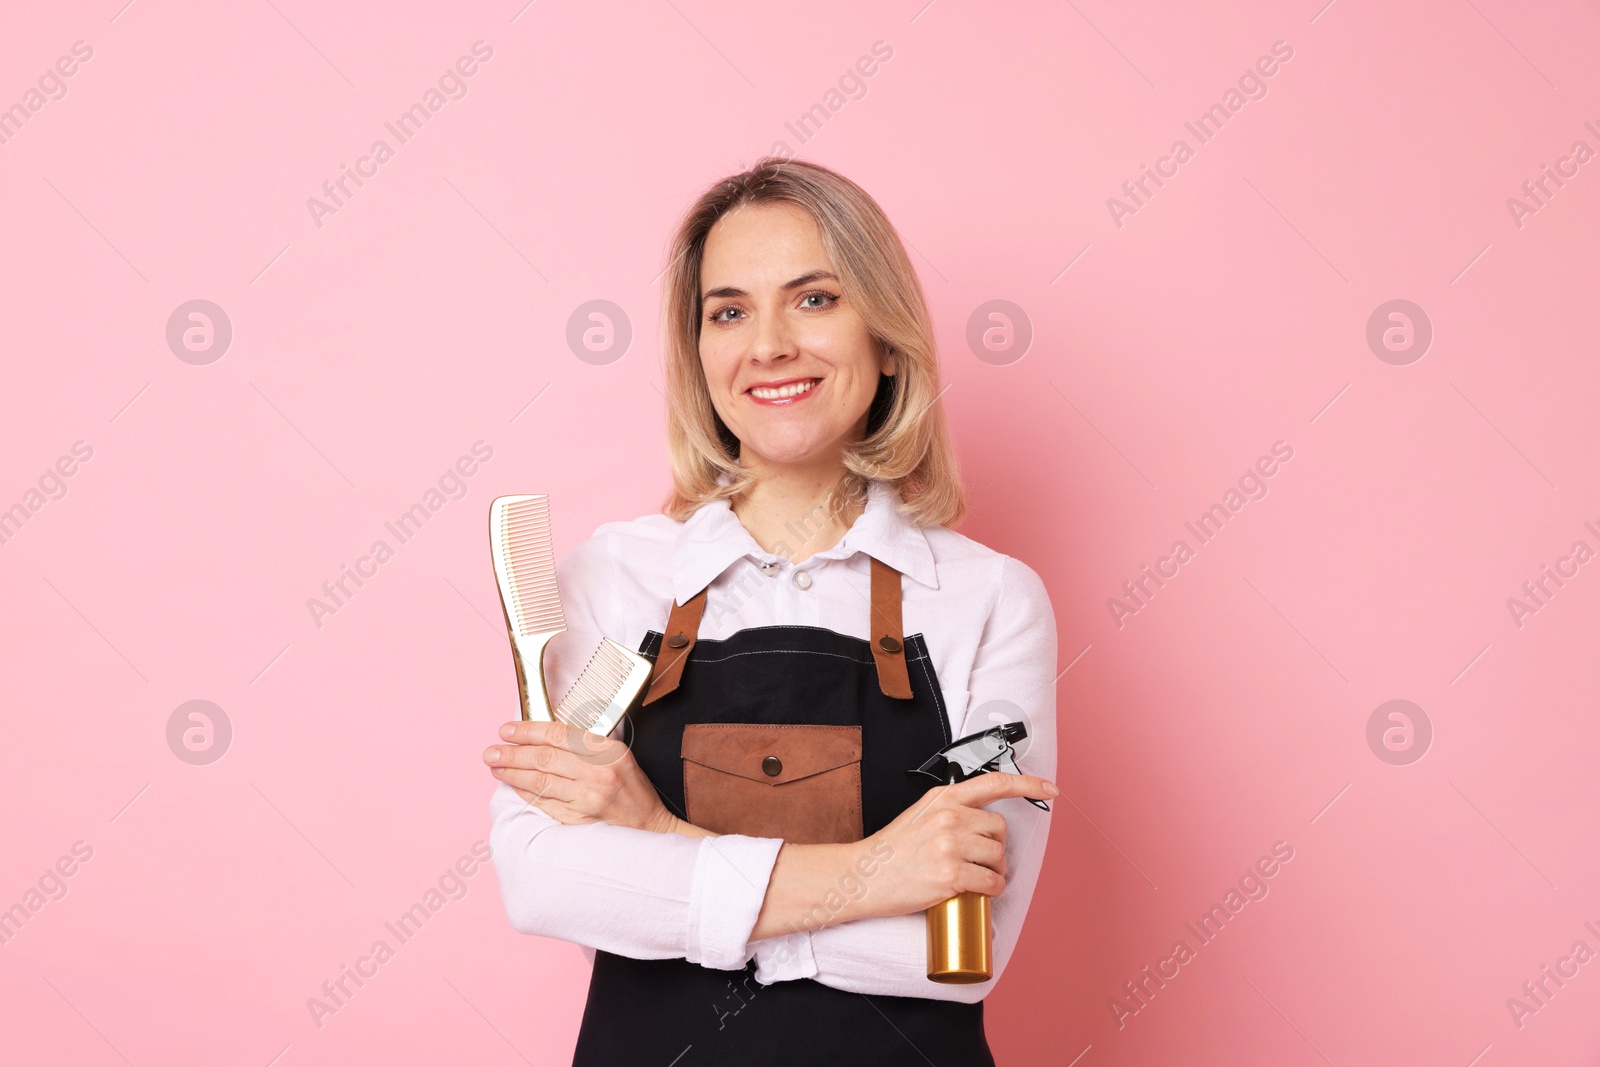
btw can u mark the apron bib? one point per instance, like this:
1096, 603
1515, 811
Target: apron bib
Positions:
796, 732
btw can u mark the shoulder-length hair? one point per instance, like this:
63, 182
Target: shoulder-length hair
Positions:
906, 443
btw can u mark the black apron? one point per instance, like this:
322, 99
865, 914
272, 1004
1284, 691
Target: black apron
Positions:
673, 1012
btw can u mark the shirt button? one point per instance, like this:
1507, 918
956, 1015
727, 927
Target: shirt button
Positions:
802, 579
770, 569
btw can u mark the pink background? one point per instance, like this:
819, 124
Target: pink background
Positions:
1168, 354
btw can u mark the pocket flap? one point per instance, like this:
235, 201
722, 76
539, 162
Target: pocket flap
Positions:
744, 749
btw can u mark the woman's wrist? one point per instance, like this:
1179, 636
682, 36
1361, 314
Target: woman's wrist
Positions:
688, 829
664, 822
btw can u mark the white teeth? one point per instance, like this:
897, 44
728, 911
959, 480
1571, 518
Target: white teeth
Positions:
793, 389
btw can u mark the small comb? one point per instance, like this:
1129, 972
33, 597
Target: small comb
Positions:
607, 688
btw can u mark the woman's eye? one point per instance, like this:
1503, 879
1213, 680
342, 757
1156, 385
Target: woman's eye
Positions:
812, 301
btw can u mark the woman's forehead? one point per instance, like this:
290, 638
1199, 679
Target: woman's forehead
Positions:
761, 244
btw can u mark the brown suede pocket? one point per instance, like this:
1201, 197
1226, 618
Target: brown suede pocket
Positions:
800, 783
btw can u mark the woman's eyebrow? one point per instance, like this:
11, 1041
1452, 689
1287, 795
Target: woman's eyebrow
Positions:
804, 279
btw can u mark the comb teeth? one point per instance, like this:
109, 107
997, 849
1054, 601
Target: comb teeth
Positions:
605, 689
523, 545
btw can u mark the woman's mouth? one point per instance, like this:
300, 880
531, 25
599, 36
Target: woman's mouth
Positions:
783, 393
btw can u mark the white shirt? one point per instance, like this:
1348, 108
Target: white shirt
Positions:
989, 629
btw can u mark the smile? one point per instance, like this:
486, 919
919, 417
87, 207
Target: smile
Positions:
787, 393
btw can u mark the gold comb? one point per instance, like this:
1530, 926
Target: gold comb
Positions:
525, 572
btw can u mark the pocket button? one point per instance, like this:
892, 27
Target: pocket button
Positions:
772, 766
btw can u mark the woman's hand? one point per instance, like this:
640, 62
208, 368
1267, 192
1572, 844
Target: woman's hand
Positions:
577, 777
946, 843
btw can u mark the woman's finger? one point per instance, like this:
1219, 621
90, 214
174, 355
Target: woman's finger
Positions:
973, 878
580, 743
985, 852
989, 824
985, 789
537, 783
558, 810
548, 758
536, 733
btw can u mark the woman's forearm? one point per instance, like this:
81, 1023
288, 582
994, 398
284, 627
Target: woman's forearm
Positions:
811, 885
809, 890
628, 891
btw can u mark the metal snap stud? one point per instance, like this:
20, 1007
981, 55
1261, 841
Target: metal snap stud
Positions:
772, 766
888, 644
677, 641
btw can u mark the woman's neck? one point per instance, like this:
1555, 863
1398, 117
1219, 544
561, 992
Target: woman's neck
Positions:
790, 513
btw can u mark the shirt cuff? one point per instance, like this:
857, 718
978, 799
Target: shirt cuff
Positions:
730, 883
783, 959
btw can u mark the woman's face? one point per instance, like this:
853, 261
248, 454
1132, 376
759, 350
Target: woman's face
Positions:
790, 364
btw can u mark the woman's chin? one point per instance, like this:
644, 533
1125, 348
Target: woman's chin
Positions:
789, 453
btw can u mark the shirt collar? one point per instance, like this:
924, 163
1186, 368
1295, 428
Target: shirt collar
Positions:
712, 539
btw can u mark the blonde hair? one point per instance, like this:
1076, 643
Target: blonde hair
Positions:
906, 442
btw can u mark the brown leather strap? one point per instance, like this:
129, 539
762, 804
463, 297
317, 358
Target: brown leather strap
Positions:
682, 623
885, 634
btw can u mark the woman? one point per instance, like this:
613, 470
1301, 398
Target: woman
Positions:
749, 870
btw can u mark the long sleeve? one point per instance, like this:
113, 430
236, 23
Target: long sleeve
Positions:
1014, 669
631, 892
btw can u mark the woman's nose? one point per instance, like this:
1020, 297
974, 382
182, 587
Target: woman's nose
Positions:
772, 340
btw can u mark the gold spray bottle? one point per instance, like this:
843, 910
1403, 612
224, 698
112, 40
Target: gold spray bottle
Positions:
959, 950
